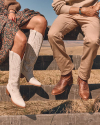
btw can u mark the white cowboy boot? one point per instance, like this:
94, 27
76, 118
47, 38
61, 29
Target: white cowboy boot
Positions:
12, 89
32, 51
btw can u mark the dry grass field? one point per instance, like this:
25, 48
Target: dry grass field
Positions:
77, 50
48, 107
51, 77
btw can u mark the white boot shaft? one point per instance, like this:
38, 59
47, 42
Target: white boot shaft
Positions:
14, 76
14, 68
32, 51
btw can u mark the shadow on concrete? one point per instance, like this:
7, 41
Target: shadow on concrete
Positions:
43, 62
64, 95
33, 117
96, 63
28, 91
94, 86
44, 93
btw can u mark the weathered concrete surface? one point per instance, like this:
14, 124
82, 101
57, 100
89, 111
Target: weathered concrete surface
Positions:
31, 93
52, 119
48, 63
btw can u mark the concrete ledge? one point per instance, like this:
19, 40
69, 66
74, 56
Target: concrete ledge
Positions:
52, 119
31, 93
48, 63
75, 34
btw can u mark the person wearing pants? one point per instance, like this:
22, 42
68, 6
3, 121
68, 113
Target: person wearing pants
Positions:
22, 54
73, 13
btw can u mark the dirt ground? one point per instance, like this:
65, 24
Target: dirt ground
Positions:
77, 50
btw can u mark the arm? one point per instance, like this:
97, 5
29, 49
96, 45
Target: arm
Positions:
12, 6
91, 11
60, 7
87, 11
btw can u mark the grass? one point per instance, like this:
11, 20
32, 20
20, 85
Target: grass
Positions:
51, 77
51, 107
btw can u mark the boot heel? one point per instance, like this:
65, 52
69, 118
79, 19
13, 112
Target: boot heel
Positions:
7, 92
22, 76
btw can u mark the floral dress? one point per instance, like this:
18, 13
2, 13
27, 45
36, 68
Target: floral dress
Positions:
8, 28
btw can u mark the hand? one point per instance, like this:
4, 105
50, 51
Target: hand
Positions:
97, 6
12, 16
90, 11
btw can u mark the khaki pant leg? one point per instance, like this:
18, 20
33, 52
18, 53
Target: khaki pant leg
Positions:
61, 26
90, 29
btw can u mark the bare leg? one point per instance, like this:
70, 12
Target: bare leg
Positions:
37, 23
19, 43
15, 64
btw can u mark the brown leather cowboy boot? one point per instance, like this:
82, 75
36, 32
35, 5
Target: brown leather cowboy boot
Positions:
65, 80
83, 89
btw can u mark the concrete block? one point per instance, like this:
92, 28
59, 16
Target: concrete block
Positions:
31, 93
52, 119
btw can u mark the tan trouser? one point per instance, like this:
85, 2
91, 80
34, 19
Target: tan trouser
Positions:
63, 24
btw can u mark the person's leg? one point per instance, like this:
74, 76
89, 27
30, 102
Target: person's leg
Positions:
90, 28
37, 25
15, 64
61, 26
20, 42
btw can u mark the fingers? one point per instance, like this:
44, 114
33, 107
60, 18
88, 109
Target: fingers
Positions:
12, 17
97, 14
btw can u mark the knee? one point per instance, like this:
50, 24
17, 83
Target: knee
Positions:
92, 42
41, 22
50, 35
54, 36
23, 42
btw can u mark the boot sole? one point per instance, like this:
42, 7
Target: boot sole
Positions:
58, 93
62, 91
12, 100
83, 98
34, 84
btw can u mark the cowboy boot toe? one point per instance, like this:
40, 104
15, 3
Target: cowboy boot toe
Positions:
65, 81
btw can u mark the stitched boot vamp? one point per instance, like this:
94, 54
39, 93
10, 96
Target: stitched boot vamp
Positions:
83, 89
61, 85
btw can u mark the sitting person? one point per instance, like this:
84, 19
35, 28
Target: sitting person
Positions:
73, 13
22, 54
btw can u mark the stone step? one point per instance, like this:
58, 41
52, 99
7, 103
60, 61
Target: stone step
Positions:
31, 93
49, 63
52, 119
